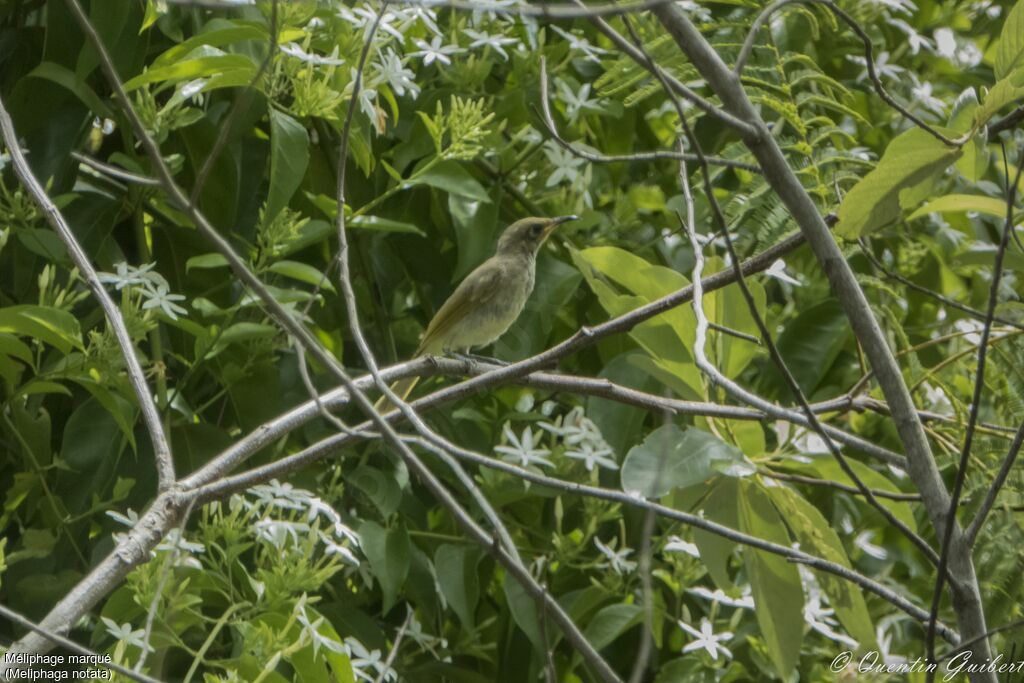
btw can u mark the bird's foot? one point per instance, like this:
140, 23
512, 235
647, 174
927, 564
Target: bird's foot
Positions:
474, 358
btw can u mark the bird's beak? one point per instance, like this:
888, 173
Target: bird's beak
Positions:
555, 222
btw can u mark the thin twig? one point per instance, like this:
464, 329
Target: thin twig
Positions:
814, 481
993, 491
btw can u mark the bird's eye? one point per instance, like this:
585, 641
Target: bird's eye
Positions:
536, 230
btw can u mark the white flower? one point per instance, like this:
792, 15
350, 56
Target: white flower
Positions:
863, 541
777, 270
972, 329
699, 12
616, 560
123, 633
566, 165
331, 547
494, 42
407, 16
159, 297
945, 42
525, 403
284, 496
521, 450
884, 637
905, 6
435, 51
364, 17
364, 660
914, 39
745, 601
937, 400
882, 66
295, 50
678, 545
312, 629
391, 71
591, 455
922, 93
278, 531
105, 126
126, 275
706, 639
590, 52
575, 102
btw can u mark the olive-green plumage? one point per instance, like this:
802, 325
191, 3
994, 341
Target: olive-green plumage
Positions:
489, 299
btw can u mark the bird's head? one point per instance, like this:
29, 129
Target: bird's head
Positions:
527, 234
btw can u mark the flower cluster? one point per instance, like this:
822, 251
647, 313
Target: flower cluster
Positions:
574, 432
150, 285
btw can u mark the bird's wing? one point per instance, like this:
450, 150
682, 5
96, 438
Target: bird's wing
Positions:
479, 286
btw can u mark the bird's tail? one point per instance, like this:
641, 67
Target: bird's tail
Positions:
402, 388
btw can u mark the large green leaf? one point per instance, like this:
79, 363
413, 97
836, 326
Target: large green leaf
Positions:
67, 78
456, 574
55, 327
206, 66
960, 203
289, 156
910, 159
671, 458
451, 177
216, 33
668, 337
826, 467
775, 582
818, 538
810, 344
388, 552
1010, 48
611, 622
1006, 91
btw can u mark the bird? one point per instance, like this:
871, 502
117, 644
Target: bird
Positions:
488, 300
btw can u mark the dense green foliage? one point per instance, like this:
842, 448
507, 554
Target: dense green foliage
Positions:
306, 579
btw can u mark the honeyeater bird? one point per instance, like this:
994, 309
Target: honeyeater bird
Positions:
488, 300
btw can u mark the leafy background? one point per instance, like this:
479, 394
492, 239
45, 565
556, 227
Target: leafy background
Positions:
315, 578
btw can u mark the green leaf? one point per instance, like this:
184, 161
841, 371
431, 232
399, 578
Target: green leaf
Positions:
1006, 91
234, 334
213, 260
66, 77
303, 272
721, 505
451, 177
15, 348
960, 203
523, 607
826, 467
384, 225
775, 582
212, 37
809, 345
55, 327
817, 537
671, 458
289, 156
611, 622
910, 159
1010, 48
668, 337
215, 65
456, 574
388, 552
